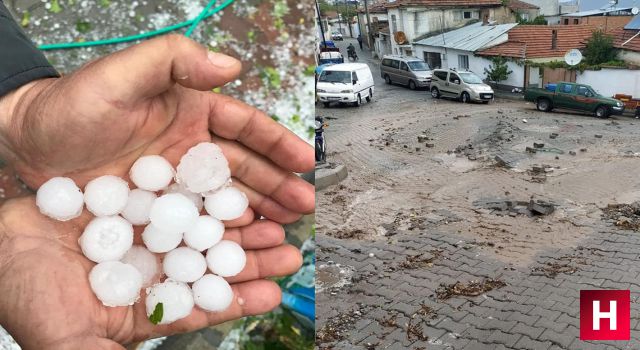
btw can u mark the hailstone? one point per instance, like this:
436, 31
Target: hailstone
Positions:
106, 238
106, 195
176, 299
60, 199
226, 204
206, 232
115, 283
194, 197
160, 241
203, 168
173, 212
151, 173
226, 259
212, 293
138, 206
184, 265
144, 261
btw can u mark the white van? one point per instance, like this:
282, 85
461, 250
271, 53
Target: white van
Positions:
345, 83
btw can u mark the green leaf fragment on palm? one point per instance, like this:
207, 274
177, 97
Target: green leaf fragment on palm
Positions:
156, 316
55, 7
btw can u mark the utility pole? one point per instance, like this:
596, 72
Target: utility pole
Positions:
346, 6
369, 33
324, 39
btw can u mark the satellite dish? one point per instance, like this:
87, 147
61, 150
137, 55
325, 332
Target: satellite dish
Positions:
400, 38
573, 57
635, 11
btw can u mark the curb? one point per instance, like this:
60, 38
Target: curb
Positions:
327, 176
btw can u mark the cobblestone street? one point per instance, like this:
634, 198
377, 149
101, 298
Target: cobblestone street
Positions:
469, 226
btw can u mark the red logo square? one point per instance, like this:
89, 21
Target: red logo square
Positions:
605, 314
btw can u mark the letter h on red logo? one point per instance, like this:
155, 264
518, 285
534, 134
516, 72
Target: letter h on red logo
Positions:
605, 314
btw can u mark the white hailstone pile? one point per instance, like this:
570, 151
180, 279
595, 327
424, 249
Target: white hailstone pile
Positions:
172, 215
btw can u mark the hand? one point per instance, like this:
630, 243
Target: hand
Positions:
154, 98
46, 301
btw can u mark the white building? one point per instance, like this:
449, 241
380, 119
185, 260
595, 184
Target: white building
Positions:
411, 20
550, 9
456, 49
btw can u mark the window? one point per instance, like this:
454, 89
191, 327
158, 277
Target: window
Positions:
386, 62
566, 88
467, 14
585, 91
403, 66
576, 21
408, 52
524, 16
453, 78
463, 62
394, 26
440, 75
566, 21
395, 64
554, 39
433, 59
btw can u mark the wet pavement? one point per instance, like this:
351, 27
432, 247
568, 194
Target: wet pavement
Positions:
470, 226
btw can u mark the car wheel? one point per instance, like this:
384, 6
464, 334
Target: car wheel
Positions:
465, 98
602, 112
326, 104
435, 93
387, 79
412, 85
359, 101
370, 97
543, 105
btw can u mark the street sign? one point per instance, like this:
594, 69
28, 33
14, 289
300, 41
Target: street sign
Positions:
573, 57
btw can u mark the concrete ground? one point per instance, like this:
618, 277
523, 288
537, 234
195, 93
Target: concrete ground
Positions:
449, 233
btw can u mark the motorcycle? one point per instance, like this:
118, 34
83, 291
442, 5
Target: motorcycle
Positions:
353, 56
321, 146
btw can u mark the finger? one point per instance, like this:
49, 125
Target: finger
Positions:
271, 262
152, 67
235, 120
258, 235
250, 298
259, 173
266, 206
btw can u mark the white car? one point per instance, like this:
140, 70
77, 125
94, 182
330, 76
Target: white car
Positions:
345, 83
336, 36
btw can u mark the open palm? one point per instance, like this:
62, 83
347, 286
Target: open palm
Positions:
154, 98
47, 302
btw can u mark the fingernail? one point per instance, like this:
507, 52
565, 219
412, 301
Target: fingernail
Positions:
220, 60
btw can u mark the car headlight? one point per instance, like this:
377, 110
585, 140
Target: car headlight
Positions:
346, 91
320, 90
620, 104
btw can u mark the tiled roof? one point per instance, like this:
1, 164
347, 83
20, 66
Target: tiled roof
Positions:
629, 38
531, 41
377, 8
521, 5
445, 3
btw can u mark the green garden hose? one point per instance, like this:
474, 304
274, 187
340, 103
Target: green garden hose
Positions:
207, 12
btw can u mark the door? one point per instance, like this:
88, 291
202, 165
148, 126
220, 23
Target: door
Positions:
404, 73
585, 99
394, 71
565, 96
454, 85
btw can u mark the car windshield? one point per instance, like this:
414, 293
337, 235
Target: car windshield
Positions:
418, 66
471, 78
335, 77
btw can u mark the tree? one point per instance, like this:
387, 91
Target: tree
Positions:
538, 21
599, 49
498, 71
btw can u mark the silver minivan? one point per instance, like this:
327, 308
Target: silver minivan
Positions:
410, 71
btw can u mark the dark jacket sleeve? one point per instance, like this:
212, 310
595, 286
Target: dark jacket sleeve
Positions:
20, 61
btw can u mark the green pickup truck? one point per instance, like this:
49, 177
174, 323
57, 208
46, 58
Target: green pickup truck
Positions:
577, 97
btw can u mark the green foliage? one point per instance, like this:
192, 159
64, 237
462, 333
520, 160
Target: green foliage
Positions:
83, 26
538, 21
55, 7
105, 3
599, 49
498, 71
26, 18
157, 314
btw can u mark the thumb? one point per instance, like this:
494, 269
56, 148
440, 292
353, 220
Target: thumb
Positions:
151, 68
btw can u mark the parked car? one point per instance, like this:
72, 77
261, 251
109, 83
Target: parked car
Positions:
331, 57
462, 85
410, 71
578, 97
345, 83
336, 36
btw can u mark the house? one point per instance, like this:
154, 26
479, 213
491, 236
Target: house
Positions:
605, 19
379, 21
456, 49
627, 40
550, 9
411, 20
523, 10
530, 45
